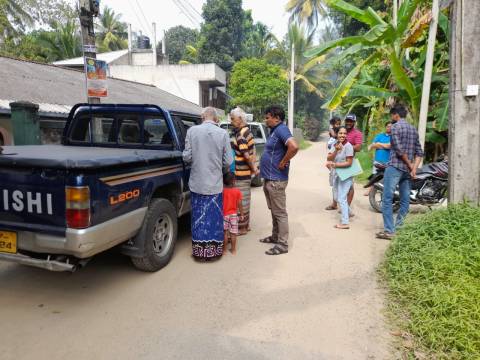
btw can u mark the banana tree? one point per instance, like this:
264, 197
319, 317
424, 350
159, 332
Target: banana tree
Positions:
385, 42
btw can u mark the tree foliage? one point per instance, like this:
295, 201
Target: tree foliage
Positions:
111, 31
256, 84
306, 11
349, 26
64, 42
46, 12
221, 33
257, 38
13, 18
177, 39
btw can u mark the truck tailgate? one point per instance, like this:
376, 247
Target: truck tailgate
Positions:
32, 199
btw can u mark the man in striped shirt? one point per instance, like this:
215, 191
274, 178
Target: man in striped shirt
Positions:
245, 163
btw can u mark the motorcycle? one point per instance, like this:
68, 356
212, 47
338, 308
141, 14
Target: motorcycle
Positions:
428, 188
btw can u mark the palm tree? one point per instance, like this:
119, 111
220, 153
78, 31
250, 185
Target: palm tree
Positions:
111, 31
190, 56
306, 11
258, 42
13, 18
307, 71
63, 42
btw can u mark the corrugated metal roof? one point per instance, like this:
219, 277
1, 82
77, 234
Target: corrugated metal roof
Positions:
53, 85
108, 57
44, 109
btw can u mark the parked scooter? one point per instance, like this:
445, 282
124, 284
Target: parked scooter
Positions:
428, 188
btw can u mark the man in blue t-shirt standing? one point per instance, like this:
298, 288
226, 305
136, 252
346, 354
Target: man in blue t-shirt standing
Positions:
281, 147
381, 144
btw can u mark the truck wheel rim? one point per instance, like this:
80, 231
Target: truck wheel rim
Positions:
162, 235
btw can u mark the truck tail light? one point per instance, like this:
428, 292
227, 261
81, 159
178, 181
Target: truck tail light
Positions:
77, 207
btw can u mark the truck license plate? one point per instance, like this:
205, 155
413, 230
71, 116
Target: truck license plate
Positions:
8, 242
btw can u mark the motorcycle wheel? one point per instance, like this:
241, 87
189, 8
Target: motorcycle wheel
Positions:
375, 198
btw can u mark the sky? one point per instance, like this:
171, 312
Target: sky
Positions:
166, 14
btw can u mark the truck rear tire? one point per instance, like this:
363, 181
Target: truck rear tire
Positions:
158, 235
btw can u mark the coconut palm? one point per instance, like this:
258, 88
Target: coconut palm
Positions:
307, 71
111, 31
306, 11
257, 41
63, 42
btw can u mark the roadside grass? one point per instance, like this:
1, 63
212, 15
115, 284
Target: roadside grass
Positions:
304, 144
367, 163
432, 271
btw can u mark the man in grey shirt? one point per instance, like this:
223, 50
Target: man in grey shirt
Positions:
208, 151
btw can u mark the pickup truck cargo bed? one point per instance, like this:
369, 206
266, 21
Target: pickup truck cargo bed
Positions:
78, 157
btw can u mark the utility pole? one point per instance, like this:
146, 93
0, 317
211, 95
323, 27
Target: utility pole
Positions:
427, 78
154, 45
395, 12
291, 100
88, 9
464, 129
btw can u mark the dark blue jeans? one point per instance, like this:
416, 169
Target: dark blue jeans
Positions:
392, 178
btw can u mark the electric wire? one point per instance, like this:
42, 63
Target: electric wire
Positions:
191, 7
138, 18
143, 14
185, 12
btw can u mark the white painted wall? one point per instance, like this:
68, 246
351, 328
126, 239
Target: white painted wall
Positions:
181, 80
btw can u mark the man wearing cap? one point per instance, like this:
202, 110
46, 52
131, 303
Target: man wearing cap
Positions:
354, 137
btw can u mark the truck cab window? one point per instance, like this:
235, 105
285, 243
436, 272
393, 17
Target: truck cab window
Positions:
129, 130
103, 130
81, 129
156, 132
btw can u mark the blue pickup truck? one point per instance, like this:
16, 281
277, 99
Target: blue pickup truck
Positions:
117, 180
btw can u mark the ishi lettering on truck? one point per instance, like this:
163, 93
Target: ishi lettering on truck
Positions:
31, 202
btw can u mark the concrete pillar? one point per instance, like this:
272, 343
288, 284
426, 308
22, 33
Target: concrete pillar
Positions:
25, 123
464, 132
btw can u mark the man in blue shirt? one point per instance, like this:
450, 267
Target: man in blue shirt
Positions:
281, 147
381, 144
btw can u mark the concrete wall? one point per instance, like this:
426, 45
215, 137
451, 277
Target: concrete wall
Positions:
142, 58
180, 80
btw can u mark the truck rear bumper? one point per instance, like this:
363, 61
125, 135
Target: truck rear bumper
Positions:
47, 264
84, 243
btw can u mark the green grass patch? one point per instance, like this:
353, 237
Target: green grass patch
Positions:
432, 270
366, 161
304, 144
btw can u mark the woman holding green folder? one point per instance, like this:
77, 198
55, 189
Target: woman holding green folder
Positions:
341, 157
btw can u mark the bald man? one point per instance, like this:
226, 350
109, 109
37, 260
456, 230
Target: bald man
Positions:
208, 151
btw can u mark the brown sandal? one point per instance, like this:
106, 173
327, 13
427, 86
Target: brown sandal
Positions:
331, 207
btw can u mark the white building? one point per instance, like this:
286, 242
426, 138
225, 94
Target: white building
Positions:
201, 84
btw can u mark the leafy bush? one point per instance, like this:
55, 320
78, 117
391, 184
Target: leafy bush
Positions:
433, 273
255, 84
